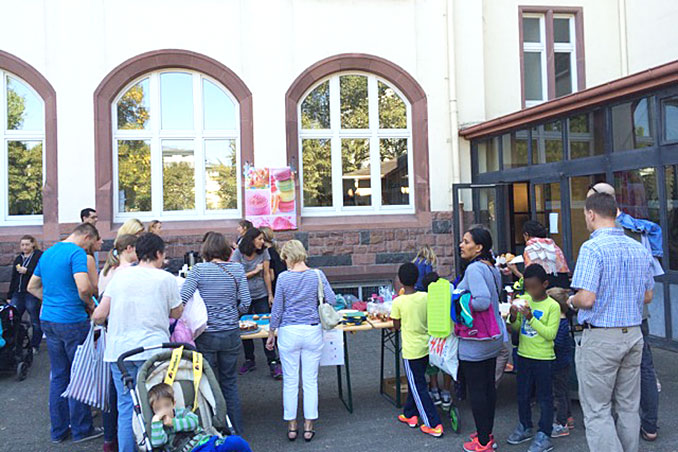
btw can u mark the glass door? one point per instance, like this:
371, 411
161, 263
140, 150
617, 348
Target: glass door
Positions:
483, 205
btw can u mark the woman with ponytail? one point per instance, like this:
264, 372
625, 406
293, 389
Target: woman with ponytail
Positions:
125, 255
130, 227
477, 358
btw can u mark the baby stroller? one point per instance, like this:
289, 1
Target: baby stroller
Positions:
16, 355
211, 404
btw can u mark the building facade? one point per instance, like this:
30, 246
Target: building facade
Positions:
152, 109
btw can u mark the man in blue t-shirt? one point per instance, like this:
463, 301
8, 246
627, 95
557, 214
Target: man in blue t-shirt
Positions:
60, 280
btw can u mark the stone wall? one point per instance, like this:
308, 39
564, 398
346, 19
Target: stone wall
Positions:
358, 255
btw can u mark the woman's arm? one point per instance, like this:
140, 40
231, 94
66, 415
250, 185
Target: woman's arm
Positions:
244, 297
330, 297
191, 284
101, 312
92, 274
267, 281
14, 284
482, 295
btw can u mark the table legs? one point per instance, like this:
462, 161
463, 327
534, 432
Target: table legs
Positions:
389, 337
348, 402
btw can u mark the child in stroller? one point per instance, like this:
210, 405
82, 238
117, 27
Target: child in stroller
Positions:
168, 422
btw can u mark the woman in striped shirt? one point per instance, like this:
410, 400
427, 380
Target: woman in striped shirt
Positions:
295, 313
223, 287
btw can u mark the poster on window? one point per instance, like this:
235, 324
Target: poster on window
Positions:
270, 198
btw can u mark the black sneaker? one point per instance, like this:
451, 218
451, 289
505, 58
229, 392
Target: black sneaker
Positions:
61, 440
97, 432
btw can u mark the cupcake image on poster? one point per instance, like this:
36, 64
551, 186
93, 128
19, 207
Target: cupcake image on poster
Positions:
282, 191
257, 203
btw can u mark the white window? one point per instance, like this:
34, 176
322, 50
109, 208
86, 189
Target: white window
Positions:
355, 142
176, 148
22, 139
536, 48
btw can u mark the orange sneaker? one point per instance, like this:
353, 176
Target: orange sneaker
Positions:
475, 446
410, 421
474, 435
436, 431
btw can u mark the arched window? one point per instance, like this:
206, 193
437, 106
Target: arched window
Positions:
22, 140
176, 147
355, 147
357, 131
171, 130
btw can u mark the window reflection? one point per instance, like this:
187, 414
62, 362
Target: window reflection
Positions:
488, 155
25, 110
547, 143
354, 105
356, 173
219, 109
133, 107
24, 177
315, 109
514, 148
178, 175
671, 175
317, 172
221, 183
670, 108
579, 187
395, 189
134, 175
636, 192
176, 101
392, 110
585, 134
632, 126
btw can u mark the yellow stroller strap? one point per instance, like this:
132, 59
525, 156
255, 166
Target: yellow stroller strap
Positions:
197, 376
174, 365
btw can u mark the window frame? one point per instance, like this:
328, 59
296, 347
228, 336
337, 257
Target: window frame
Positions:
534, 47
575, 47
156, 135
6, 136
335, 134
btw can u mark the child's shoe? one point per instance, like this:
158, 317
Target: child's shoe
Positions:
475, 446
541, 443
435, 396
446, 400
570, 423
520, 435
436, 431
410, 421
559, 431
475, 435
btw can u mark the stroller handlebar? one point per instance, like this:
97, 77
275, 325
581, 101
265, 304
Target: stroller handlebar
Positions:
135, 351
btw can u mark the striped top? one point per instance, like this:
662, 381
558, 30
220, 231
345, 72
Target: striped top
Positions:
184, 421
296, 298
225, 299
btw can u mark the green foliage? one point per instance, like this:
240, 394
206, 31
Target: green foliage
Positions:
178, 186
24, 159
392, 110
354, 104
132, 111
16, 107
134, 174
315, 109
317, 163
225, 174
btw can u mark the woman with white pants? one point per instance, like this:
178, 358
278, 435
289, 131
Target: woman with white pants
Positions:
300, 336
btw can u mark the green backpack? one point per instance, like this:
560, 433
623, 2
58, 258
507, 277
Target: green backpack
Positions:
438, 308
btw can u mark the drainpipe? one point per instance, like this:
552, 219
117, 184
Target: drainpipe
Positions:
623, 38
453, 139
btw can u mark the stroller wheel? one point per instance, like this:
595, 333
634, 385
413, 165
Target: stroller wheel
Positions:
21, 371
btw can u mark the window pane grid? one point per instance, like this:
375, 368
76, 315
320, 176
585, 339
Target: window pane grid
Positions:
355, 177
202, 163
22, 141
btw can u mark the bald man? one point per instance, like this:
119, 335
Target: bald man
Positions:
649, 394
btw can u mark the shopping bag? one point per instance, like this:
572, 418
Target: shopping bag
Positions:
333, 348
180, 332
90, 374
442, 353
195, 312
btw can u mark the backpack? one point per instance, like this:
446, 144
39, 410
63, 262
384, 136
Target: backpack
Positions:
438, 308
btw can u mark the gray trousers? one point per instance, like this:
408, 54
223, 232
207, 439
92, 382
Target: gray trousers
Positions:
608, 371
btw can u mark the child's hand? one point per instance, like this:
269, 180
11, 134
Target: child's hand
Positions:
167, 420
157, 417
513, 311
527, 312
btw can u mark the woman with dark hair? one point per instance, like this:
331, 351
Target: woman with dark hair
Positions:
242, 227
256, 260
223, 287
539, 249
477, 358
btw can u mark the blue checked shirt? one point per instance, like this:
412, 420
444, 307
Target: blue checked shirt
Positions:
618, 270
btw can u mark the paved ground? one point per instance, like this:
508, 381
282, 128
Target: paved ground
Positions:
24, 421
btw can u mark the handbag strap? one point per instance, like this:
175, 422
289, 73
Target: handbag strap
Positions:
321, 291
227, 271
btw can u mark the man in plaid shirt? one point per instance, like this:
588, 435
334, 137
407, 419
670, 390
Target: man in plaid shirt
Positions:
614, 278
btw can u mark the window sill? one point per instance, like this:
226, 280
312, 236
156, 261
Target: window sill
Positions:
371, 221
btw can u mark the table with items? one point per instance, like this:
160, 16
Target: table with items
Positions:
257, 327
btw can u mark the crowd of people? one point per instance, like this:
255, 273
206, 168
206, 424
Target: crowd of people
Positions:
63, 292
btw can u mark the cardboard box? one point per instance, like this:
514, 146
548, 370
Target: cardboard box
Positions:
389, 387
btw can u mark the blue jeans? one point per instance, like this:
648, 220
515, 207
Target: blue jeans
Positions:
110, 419
62, 341
220, 349
126, 440
649, 395
535, 372
26, 302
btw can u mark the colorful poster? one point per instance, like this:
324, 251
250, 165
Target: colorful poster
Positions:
270, 198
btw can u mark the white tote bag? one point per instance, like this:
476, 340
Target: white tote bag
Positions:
195, 312
442, 353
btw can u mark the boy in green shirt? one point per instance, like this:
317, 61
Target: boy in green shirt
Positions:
409, 316
537, 317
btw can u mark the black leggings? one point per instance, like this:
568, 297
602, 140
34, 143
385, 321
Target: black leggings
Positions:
479, 376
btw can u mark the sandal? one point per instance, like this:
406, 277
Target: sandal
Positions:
648, 436
296, 434
312, 432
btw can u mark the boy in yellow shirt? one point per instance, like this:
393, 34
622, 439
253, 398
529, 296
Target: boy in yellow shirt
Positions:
409, 316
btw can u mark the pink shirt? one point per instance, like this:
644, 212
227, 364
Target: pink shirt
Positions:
104, 280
